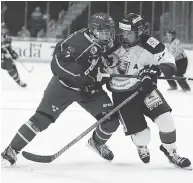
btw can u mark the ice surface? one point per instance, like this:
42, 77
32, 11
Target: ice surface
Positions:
79, 164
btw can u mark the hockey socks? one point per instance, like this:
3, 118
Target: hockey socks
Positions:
24, 135
100, 136
15, 75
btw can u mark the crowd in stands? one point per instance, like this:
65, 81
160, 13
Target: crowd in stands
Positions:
41, 25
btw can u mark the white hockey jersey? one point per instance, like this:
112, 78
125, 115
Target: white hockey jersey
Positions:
130, 61
176, 49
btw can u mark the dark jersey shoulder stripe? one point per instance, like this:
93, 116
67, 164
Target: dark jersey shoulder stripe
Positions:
151, 44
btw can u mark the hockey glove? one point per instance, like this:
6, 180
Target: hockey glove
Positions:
148, 77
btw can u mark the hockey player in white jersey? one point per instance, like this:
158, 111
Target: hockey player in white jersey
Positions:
176, 49
142, 55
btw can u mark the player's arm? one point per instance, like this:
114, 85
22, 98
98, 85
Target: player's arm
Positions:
63, 66
164, 59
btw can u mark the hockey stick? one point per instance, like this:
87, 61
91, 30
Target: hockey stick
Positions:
28, 70
50, 158
133, 76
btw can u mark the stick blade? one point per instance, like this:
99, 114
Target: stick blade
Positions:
37, 158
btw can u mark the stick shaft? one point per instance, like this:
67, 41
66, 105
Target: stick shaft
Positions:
136, 76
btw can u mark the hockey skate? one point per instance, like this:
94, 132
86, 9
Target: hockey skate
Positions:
102, 150
175, 159
8, 157
143, 153
22, 84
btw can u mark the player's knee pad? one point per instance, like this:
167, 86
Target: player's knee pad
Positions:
142, 138
165, 122
41, 120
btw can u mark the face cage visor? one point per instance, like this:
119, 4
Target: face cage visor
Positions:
128, 36
104, 36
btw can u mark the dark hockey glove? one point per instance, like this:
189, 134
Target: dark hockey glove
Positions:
148, 77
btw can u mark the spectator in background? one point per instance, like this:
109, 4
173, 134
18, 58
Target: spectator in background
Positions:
36, 23
24, 32
176, 49
37, 14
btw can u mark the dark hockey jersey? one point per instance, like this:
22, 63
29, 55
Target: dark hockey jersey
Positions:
76, 60
6, 48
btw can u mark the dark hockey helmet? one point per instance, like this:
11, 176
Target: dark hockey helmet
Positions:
102, 28
131, 27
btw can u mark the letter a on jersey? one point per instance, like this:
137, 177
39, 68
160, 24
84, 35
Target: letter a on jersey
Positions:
135, 66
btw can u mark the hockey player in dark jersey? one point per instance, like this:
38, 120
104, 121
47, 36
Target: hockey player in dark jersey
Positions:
7, 56
141, 55
75, 64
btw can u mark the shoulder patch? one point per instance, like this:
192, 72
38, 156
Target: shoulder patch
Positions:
152, 42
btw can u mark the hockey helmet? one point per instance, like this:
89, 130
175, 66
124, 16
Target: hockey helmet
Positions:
102, 28
131, 27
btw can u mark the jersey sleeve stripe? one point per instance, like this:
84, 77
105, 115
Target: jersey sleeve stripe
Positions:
75, 75
66, 40
84, 51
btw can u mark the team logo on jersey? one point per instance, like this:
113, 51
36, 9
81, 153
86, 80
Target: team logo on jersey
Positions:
135, 66
123, 66
152, 42
54, 108
93, 50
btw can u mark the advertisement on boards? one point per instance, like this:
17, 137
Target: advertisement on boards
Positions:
34, 50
